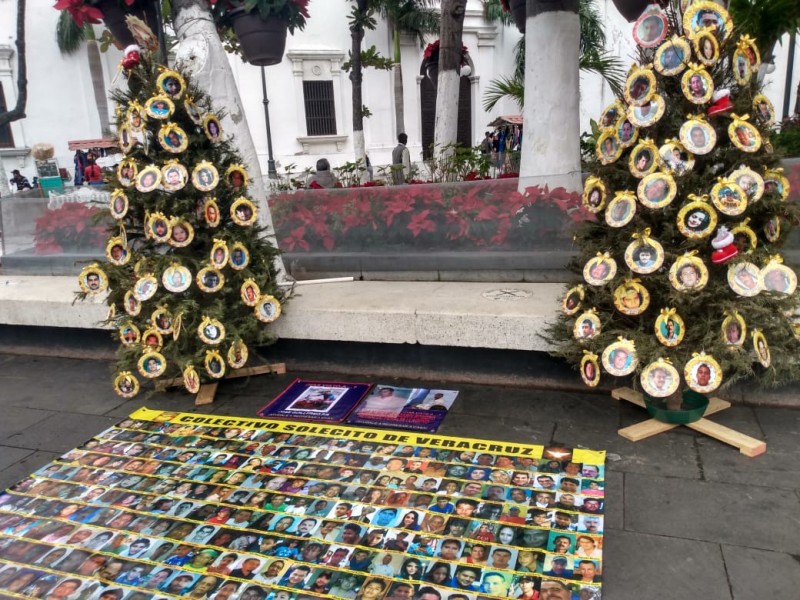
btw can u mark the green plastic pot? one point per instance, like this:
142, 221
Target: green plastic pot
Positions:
694, 406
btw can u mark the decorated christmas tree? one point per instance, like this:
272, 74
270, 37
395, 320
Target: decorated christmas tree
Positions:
189, 271
683, 281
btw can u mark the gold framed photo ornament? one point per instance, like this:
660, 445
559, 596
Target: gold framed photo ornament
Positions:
172, 138
660, 379
620, 358
211, 331
145, 288
644, 255
761, 349
600, 270
697, 84
648, 114
159, 107
119, 204
176, 278
587, 326
631, 298
729, 198
267, 309
590, 369
243, 212
573, 300
152, 364
127, 172
702, 373
734, 330
93, 280
643, 159
672, 57
212, 128
669, 328
148, 179
640, 86
172, 84
205, 176
126, 385
743, 278
210, 279
621, 209
174, 176
608, 149
657, 190
237, 354
688, 274
698, 136
250, 292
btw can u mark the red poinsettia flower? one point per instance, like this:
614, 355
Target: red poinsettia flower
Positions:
80, 12
420, 222
505, 5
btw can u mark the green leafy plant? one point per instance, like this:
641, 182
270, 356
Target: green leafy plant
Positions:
787, 141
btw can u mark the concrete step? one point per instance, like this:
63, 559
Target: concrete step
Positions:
468, 315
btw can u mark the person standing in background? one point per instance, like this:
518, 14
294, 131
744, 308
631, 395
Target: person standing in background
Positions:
401, 160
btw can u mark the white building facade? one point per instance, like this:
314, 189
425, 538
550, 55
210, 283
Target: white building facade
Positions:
61, 104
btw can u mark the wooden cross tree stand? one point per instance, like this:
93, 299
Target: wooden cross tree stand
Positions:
209, 390
747, 445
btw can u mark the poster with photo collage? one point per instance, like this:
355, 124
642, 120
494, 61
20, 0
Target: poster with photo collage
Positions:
183, 505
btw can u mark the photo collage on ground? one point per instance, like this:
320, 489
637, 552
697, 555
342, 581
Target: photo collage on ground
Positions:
169, 505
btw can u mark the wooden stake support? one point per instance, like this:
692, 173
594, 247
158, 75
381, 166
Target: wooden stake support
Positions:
208, 391
747, 445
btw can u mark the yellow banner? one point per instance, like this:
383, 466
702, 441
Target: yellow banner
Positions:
376, 435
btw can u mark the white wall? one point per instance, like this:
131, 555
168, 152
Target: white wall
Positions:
61, 102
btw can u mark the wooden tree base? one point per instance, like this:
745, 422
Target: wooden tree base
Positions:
208, 391
747, 445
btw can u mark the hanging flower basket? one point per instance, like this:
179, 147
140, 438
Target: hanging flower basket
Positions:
112, 13
430, 61
518, 10
262, 41
256, 29
632, 9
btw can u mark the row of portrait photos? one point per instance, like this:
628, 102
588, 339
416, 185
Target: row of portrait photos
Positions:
160, 508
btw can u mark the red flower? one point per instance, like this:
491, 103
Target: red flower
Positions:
395, 207
80, 12
420, 222
505, 6
296, 240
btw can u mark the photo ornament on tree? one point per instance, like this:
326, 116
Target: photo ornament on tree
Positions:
696, 205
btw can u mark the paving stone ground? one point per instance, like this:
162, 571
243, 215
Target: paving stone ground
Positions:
688, 517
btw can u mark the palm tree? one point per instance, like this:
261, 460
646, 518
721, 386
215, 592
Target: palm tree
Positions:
361, 19
593, 56
69, 38
414, 17
446, 128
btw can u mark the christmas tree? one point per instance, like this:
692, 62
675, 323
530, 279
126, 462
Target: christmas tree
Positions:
190, 274
683, 279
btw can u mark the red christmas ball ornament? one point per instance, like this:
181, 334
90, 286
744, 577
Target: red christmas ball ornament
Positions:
131, 58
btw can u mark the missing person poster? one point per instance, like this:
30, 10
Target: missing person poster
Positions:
415, 409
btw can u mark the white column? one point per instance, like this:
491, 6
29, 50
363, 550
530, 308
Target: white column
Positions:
551, 131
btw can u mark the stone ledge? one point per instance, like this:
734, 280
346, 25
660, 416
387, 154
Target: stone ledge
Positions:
392, 312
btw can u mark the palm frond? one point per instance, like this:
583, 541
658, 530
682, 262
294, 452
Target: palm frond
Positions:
609, 66
493, 13
766, 20
499, 88
593, 36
